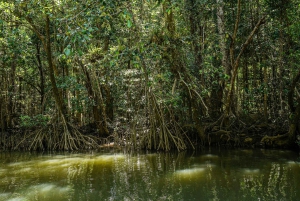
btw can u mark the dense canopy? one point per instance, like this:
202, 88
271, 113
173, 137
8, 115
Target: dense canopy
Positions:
149, 74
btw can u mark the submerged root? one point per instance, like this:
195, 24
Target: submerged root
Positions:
9, 140
278, 141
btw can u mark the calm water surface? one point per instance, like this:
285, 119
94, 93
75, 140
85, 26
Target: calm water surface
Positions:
203, 175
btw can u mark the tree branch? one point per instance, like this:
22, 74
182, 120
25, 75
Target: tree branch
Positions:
236, 62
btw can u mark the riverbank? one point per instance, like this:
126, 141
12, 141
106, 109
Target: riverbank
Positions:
253, 135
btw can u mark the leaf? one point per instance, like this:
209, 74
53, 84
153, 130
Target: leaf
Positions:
129, 24
169, 10
67, 51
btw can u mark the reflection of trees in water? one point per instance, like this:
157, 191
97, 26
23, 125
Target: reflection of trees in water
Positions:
272, 184
159, 176
175, 177
267, 180
80, 179
144, 176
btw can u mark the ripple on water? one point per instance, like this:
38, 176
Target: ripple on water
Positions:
4, 196
47, 191
2, 171
189, 173
210, 156
151, 155
293, 163
205, 165
250, 171
23, 170
40, 192
59, 162
16, 164
109, 158
43, 187
17, 199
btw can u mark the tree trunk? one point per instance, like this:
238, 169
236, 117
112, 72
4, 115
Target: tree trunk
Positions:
295, 111
42, 77
235, 65
56, 94
12, 88
196, 32
170, 24
222, 37
216, 98
11, 92
294, 129
109, 101
99, 118
265, 95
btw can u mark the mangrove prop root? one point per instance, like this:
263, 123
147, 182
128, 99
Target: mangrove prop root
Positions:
57, 137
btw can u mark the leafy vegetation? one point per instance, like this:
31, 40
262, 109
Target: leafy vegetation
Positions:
36, 121
149, 74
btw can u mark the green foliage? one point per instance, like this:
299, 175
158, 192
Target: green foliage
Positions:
125, 50
35, 121
70, 83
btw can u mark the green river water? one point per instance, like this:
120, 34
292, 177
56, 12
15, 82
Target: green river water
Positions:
215, 174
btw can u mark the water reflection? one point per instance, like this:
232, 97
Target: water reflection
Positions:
204, 175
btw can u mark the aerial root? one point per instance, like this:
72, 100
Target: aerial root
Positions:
57, 137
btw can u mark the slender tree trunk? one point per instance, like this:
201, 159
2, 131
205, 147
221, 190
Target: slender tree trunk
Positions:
12, 91
3, 126
294, 128
99, 118
265, 94
170, 24
235, 65
56, 93
46, 41
222, 37
295, 110
218, 90
196, 32
109, 101
42, 77
78, 113
245, 102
